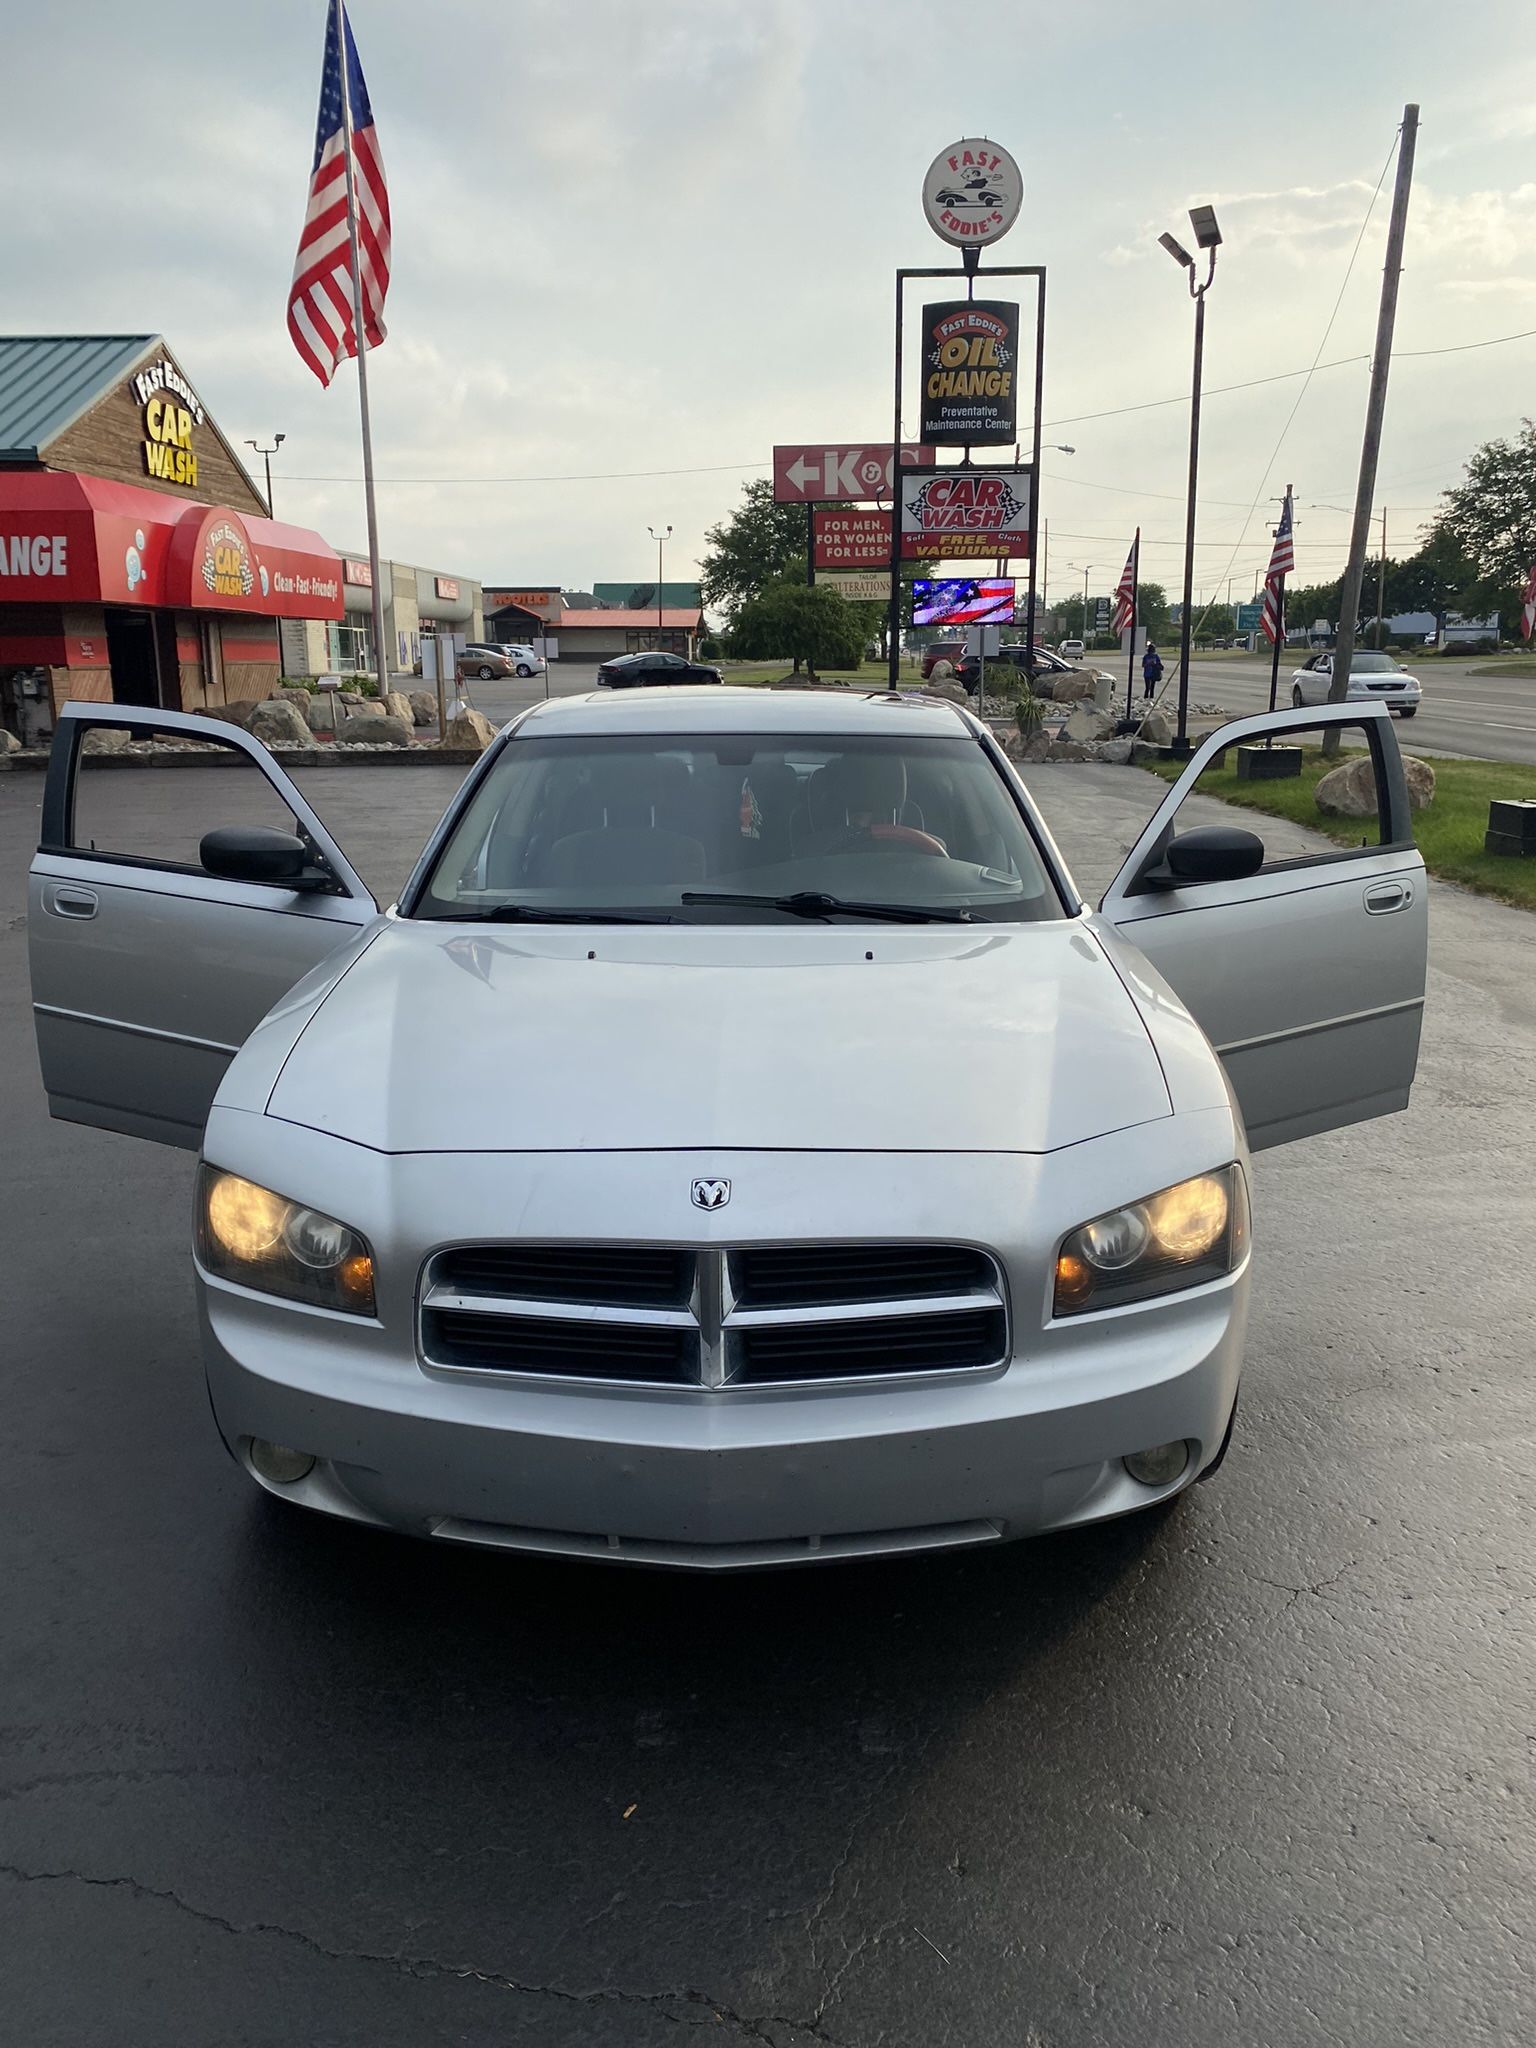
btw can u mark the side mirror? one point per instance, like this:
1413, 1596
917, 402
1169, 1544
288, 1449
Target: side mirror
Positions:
1212, 853
257, 853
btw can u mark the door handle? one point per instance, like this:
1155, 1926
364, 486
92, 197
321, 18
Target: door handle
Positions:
1385, 896
73, 902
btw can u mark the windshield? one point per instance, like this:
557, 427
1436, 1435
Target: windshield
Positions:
1372, 664
636, 826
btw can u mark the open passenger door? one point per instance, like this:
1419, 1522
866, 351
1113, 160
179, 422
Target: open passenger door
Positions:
1307, 974
149, 968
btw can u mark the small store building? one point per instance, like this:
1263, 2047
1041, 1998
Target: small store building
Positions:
137, 564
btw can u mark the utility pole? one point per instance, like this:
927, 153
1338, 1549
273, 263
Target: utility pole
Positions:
661, 540
1375, 411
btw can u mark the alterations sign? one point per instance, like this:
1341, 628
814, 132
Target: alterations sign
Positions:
970, 372
874, 588
852, 539
965, 514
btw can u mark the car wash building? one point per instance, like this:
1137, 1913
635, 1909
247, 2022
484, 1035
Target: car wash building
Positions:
137, 564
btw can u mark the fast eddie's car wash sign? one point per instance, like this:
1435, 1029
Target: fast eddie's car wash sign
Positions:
171, 411
225, 568
970, 372
962, 514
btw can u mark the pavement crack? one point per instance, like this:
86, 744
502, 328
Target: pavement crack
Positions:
752, 2027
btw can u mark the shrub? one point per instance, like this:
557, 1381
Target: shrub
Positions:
709, 648
1028, 711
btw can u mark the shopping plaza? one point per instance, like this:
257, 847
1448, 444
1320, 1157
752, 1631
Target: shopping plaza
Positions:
137, 561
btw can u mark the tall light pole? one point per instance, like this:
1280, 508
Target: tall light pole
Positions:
1207, 237
266, 455
661, 540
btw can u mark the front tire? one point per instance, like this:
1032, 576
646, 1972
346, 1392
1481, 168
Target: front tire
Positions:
1297, 701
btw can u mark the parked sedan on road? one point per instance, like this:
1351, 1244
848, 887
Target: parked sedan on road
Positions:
751, 1269
628, 671
1373, 678
486, 660
1015, 656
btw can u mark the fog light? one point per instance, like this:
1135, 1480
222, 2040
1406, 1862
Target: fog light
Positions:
1159, 1466
281, 1467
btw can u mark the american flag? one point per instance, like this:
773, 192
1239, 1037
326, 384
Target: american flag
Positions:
1282, 562
320, 309
1125, 595
1528, 605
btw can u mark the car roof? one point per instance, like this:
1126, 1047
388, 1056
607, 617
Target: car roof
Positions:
711, 708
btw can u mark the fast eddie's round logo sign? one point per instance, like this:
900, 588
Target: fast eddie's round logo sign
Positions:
226, 564
972, 193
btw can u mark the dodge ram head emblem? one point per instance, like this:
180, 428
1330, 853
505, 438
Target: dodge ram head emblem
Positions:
711, 1194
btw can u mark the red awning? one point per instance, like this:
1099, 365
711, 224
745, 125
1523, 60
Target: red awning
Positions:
67, 538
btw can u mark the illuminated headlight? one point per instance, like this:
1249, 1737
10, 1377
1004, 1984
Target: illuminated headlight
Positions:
248, 1234
1182, 1237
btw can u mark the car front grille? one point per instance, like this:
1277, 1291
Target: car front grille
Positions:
756, 1315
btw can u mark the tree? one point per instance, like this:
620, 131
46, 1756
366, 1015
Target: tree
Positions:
810, 623
759, 542
1152, 611
1491, 518
1434, 580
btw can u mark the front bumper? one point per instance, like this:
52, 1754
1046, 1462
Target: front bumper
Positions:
730, 1477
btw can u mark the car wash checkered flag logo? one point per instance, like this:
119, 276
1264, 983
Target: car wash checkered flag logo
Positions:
321, 311
1282, 561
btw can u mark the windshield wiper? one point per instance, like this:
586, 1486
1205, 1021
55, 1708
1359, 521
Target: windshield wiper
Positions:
531, 913
812, 903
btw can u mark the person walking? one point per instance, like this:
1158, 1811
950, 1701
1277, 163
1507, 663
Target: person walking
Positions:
1151, 670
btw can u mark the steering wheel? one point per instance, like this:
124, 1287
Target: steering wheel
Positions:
909, 837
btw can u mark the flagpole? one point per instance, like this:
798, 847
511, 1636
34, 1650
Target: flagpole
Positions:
381, 652
1130, 659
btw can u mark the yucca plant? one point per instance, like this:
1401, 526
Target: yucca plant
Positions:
1028, 713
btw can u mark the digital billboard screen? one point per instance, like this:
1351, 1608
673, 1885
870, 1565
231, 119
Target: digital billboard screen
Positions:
963, 601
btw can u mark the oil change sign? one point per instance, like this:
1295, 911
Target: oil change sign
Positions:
963, 514
970, 372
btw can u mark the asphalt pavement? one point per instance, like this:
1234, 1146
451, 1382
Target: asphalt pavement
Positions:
1490, 718
1252, 1774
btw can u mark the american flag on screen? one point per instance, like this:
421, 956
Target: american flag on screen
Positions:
1282, 562
320, 307
1125, 595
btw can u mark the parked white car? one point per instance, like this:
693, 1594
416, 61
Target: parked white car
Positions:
1373, 678
815, 1174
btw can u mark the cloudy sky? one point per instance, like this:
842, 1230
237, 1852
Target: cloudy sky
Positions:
654, 237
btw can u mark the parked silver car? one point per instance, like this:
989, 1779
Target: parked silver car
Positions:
814, 1176
1372, 677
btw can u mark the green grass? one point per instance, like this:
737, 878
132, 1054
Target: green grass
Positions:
1507, 665
1449, 833
771, 672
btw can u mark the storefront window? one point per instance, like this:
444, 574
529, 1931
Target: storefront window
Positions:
350, 649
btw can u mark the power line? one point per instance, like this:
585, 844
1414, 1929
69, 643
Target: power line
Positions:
603, 476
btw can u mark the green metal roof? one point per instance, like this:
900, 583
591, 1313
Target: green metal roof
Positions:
48, 380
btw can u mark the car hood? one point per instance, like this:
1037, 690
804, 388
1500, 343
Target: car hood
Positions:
998, 1038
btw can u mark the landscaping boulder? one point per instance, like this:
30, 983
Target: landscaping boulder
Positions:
1155, 729
278, 723
951, 692
1088, 723
296, 695
320, 712
423, 707
1035, 748
470, 729
941, 672
1067, 750
1072, 689
9, 744
1349, 791
1117, 751
381, 731
104, 739
239, 712
398, 705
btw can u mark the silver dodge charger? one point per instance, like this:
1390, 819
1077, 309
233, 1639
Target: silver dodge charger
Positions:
740, 1144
